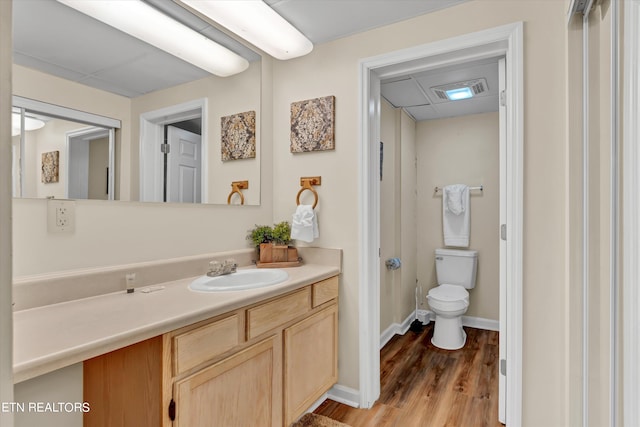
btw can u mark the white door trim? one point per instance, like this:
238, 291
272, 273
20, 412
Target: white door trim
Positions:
93, 133
631, 216
152, 160
506, 40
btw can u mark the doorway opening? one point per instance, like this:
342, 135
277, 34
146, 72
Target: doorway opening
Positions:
90, 164
172, 156
503, 41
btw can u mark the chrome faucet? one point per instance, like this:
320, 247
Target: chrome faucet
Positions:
216, 268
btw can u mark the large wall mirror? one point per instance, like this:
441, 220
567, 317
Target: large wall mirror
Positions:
176, 124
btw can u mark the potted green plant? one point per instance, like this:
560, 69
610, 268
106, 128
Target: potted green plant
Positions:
272, 243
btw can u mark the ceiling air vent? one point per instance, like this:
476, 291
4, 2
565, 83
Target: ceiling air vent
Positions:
476, 86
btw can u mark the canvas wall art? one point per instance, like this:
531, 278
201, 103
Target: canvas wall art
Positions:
50, 166
312, 125
239, 136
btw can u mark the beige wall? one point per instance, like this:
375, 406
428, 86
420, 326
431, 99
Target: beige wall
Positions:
397, 215
390, 208
332, 69
98, 164
408, 220
461, 150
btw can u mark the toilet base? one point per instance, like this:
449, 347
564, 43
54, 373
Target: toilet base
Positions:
448, 333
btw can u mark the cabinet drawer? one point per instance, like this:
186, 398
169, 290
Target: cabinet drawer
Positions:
268, 316
325, 291
201, 344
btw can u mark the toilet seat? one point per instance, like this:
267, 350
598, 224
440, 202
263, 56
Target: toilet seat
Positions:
449, 293
448, 298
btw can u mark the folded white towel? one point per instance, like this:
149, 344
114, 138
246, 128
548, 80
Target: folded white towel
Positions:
456, 215
304, 225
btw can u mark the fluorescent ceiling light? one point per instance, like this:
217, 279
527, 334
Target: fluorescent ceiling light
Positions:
257, 23
460, 93
142, 21
29, 124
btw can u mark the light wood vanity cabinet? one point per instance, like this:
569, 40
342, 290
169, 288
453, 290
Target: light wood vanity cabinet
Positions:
261, 365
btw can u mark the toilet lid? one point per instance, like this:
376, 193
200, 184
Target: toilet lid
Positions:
449, 293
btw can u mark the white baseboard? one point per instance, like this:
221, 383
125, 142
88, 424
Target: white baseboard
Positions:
426, 316
345, 395
480, 323
340, 394
402, 328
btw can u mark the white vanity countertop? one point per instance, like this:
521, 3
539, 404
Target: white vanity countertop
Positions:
54, 336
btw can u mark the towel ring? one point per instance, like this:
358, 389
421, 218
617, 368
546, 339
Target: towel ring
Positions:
236, 187
307, 184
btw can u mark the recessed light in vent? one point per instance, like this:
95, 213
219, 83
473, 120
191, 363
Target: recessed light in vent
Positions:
476, 86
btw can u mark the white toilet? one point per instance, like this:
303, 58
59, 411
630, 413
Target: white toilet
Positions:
456, 272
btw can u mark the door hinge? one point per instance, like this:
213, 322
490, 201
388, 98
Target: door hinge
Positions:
503, 98
165, 148
172, 410
503, 367
503, 231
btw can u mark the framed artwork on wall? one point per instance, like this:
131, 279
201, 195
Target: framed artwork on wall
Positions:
239, 136
313, 125
50, 166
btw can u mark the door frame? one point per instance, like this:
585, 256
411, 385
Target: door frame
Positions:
630, 300
89, 134
152, 159
505, 40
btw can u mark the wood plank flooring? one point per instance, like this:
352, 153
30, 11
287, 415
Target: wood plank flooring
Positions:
424, 386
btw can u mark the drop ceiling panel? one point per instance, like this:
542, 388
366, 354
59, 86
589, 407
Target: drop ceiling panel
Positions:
465, 107
325, 20
69, 39
403, 93
425, 112
138, 76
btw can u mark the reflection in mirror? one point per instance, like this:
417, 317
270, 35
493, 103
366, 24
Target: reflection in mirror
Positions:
61, 153
211, 99
134, 79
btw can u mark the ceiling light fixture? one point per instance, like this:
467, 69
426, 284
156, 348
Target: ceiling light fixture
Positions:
461, 90
144, 22
458, 94
29, 124
257, 23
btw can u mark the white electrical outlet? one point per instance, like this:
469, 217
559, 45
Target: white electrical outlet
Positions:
61, 216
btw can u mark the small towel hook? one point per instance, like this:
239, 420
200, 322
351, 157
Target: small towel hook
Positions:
307, 183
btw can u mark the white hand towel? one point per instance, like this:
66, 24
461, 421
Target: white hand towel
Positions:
456, 215
304, 225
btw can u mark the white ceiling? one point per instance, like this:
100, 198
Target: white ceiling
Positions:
58, 40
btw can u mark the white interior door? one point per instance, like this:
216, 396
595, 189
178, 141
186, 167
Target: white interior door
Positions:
184, 166
502, 114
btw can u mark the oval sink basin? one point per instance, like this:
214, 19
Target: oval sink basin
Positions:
240, 280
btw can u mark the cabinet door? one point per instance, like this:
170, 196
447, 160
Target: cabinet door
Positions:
310, 360
242, 390
124, 387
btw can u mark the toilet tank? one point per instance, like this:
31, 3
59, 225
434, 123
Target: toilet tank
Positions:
456, 267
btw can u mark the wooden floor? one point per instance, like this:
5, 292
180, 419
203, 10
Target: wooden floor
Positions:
422, 385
